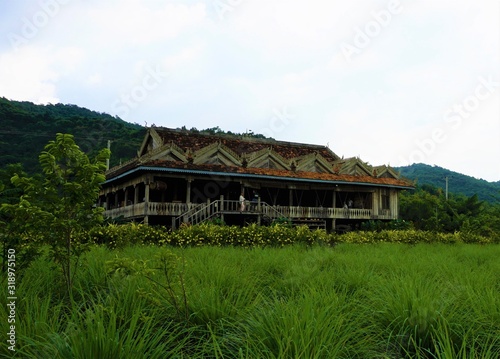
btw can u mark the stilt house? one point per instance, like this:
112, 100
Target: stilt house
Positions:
181, 176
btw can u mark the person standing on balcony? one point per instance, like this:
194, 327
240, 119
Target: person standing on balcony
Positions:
346, 210
242, 202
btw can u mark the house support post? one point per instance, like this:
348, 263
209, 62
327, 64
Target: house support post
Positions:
146, 204
125, 200
188, 190
221, 207
394, 204
259, 211
136, 194
375, 201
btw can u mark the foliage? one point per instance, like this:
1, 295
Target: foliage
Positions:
397, 224
8, 192
219, 132
165, 272
12, 234
349, 301
60, 206
27, 127
122, 236
282, 221
428, 209
434, 176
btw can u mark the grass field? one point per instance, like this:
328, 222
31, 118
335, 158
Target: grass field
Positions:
348, 301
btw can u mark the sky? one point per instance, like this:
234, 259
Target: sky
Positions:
392, 82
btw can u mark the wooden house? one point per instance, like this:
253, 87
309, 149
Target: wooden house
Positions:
181, 176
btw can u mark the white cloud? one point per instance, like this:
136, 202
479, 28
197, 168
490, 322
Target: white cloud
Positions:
262, 55
22, 78
94, 79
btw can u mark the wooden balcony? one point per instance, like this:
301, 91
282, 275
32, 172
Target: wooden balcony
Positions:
150, 209
177, 209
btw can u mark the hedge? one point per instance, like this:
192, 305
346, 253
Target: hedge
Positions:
120, 236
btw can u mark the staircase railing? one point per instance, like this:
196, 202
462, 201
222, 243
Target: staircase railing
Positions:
271, 211
207, 210
186, 216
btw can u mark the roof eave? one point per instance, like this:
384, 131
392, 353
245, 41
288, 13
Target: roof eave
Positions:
250, 175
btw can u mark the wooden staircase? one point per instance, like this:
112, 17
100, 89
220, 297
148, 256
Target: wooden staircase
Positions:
204, 212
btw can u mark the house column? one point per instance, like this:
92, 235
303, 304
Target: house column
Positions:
146, 192
188, 190
375, 202
136, 194
394, 204
126, 197
106, 201
146, 201
290, 196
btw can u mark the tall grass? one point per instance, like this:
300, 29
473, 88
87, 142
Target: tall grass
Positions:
349, 301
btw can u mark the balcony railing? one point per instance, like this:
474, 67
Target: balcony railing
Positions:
325, 212
227, 206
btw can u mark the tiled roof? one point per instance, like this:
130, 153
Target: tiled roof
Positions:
189, 142
241, 145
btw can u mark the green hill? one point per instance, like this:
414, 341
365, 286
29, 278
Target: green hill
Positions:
26, 129
457, 182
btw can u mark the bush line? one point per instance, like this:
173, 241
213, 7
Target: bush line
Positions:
121, 236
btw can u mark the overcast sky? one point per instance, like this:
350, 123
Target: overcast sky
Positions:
393, 82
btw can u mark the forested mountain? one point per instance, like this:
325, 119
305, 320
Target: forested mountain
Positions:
26, 128
457, 182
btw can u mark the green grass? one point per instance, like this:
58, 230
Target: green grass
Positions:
382, 300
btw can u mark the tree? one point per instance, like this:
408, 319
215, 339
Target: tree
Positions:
12, 223
61, 205
428, 209
422, 208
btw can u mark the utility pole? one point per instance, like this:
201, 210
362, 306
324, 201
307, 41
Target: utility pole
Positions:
107, 161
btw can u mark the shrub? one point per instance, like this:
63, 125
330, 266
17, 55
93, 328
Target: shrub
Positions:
279, 235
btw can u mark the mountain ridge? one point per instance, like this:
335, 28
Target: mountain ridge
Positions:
27, 127
457, 182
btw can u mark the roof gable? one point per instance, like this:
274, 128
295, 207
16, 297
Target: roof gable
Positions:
184, 149
313, 162
152, 140
267, 158
216, 153
354, 166
385, 172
